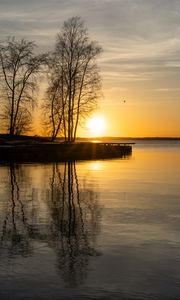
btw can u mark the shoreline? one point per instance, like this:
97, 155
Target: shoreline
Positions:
34, 151
6, 138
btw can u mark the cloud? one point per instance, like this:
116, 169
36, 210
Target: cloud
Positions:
141, 38
167, 90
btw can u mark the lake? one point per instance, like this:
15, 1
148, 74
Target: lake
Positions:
105, 229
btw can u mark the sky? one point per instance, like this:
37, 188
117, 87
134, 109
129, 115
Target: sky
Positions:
140, 63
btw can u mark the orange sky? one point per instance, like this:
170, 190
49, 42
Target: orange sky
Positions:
140, 62
139, 113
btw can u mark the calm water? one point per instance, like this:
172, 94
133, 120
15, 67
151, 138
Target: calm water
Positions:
105, 229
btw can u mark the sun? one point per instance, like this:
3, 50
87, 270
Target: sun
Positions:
96, 126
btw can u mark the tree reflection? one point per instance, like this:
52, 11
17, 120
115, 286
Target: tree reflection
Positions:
75, 222
16, 229
66, 217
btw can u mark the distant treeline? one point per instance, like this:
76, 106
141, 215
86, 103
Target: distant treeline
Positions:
5, 138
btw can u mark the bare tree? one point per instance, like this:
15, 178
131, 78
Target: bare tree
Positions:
18, 71
74, 81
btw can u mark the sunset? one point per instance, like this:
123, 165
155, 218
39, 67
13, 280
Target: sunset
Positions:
96, 126
89, 149
139, 63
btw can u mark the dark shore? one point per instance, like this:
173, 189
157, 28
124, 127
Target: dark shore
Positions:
41, 149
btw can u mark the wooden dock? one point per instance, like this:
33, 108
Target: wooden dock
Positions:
54, 152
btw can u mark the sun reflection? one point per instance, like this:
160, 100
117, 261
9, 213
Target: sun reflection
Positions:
96, 166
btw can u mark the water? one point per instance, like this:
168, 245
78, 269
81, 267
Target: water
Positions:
92, 230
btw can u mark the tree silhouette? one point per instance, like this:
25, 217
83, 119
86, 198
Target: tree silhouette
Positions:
19, 68
74, 81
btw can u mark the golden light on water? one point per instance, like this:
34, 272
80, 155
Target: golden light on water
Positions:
96, 126
96, 166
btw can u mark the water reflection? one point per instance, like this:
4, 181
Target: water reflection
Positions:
74, 226
17, 232
65, 217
